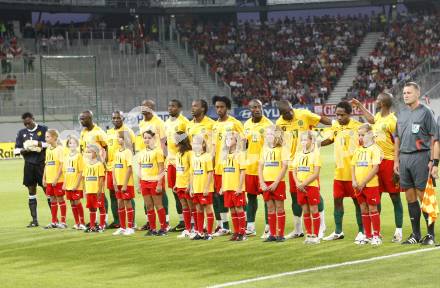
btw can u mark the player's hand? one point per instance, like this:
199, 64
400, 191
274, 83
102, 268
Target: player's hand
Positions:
54, 184
64, 186
238, 192
434, 172
175, 190
355, 102
159, 188
205, 193
300, 187
44, 183
396, 167
272, 187
124, 188
355, 185
263, 186
361, 186
221, 191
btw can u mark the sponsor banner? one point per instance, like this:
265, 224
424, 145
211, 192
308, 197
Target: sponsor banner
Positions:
270, 112
330, 109
7, 151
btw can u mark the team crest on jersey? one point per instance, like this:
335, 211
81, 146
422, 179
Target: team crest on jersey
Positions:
39, 133
261, 131
284, 128
415, 128
300, 122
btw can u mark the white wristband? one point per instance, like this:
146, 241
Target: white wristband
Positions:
44, 145
17, 151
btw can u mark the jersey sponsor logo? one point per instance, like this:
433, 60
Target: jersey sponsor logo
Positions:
119, 165
71, 170
362, 164
198, 172
180, 169
50, 163
91, 178
304, 169
271, 164
146, 165
229, 170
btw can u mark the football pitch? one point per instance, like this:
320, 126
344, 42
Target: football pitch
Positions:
70, 258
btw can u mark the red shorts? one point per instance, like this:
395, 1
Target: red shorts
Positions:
278, 195
127, 195
371, 195
149, 187
252, 184
386, 175
311, 196
292, 184
55, 191
232, 200
109, 180
217, 182
94, 202
343, 189
74, 195
199, 198
181, 193
171, 176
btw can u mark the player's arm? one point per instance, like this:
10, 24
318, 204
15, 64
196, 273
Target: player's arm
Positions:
44, 177
327, 142
101, 186
161, 168
208, 182
312, 177
435, 149
241, 181
367, 115
115, 184
396, 155
80, 178
325, 120
260, 176
59, 173
127, 178
369, 176
353, 177
19, 145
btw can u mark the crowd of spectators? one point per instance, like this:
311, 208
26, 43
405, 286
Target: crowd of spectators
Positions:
300, 61
407, 42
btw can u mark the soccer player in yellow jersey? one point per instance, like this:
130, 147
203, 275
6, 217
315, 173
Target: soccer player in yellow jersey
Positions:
225, 123
344, 135
365, 165
176, 122
73, 167
113, 148
200, 123
91, 134
254, 133
202, 186
293, 122
306, 168
233, 171
152, 176
123, 182
181, 186
53, 179
271, 172
94, 177
384, 127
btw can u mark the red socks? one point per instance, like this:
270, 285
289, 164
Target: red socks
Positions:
307, 223
63, 210
366, 221
281, 219
210, 222
316, 218
235, 222
242, 222
194, 217
187, 219
92, 219
152, 219
200, 221
54, 211
122, 217
80, 209
75, 214
161, 214
102, 217
375, 220
272, 219
130, 217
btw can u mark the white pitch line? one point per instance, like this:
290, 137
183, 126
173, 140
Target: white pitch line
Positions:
325, 267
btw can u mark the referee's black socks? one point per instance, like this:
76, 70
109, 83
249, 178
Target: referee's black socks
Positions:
33, 207
414, 216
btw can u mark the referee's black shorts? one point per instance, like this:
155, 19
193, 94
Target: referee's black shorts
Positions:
33, 174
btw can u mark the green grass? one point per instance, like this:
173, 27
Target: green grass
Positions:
39, 258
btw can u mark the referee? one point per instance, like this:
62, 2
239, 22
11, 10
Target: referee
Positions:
416, 157
31, 144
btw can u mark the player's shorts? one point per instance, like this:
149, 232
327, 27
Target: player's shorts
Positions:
414, 170
252, 184
55, 191
342, 189
232, 200
199, 198
94, 202
171, 176
181, 193
127, 195
149, 187
292, 184
74, 195
370, 195
33, 174
217, 182
278, 195
109, 180
311, 196
386, 177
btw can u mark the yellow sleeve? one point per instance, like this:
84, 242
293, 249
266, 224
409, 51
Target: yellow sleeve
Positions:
129, 158
391, 127
161, 130
159, 156
209, 166
242, 161
312, 118
332, 131
239, 128
376, 156
102, 138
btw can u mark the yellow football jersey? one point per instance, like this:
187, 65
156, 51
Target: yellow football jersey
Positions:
171, 127
204, 128
200, 166
183, 168
231, 169
219, 131
272, 160
92, 174
384, 128
54, 161
305, 164
95, 136
113, 144
156, 125
73, 167
254, 133
363, 160
123, 160
303, 120
149, 163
